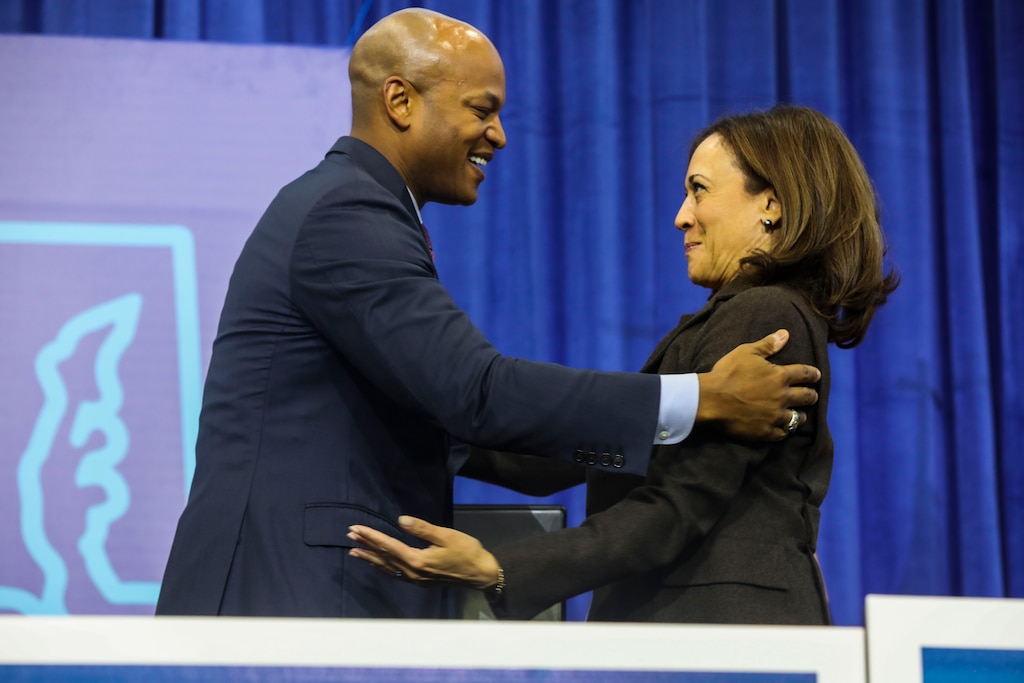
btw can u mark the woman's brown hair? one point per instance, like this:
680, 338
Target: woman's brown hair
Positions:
830, 245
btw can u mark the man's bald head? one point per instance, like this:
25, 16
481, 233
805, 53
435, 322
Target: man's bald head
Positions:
422, 46
426, 93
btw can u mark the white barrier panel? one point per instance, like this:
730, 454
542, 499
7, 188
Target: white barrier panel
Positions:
127, 648
944, 640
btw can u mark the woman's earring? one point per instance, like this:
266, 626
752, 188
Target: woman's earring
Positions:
767, 224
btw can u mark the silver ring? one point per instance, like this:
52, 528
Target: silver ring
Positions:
794, 422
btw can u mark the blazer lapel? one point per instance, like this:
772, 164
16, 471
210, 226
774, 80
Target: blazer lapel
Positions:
654, 361
690, 319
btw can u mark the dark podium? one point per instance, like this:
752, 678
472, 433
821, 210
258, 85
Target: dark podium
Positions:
497, 524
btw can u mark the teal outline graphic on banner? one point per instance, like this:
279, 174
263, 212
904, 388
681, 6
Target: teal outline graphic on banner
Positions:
98, 467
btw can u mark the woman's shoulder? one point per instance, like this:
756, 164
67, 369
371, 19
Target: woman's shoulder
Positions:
762, 309
751, 313
762, 298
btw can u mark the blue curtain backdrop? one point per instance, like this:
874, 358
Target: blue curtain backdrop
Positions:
570, 254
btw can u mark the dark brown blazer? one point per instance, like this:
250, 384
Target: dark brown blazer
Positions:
719, 531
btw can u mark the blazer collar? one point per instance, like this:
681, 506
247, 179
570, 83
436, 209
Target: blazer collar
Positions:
374, 163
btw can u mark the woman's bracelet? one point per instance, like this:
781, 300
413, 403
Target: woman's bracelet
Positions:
497, 589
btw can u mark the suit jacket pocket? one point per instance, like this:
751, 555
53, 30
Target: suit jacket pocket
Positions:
733, 561
326, 524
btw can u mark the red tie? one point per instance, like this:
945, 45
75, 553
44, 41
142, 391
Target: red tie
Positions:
426, 234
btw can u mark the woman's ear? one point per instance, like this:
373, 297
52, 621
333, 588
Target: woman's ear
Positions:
772, 210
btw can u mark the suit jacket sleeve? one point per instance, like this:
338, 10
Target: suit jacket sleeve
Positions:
527, 474
689, 487
361, 274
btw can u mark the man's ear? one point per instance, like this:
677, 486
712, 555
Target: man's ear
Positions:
398, 101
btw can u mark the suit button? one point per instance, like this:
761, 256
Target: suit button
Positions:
591, 458
618, 461
606, 459
578, 455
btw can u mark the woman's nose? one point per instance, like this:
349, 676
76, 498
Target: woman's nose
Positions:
684, 218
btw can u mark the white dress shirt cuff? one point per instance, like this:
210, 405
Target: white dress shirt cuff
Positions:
678, 410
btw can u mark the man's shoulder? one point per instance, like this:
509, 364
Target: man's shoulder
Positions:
338, 179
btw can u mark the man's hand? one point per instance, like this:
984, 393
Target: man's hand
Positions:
752, 398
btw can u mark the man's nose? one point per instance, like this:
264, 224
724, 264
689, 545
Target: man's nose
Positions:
496, 134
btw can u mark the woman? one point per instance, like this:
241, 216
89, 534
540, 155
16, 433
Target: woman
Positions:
781, 225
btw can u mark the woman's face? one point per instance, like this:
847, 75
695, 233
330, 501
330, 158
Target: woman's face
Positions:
723, 222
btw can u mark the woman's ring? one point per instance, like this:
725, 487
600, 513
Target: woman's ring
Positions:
794, 422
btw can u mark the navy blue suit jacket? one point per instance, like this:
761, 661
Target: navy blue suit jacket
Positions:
341, 375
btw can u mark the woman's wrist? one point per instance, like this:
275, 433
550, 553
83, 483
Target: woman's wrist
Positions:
492, 576
498, 589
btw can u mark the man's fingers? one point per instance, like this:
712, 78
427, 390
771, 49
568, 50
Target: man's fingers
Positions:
801, 374
799, 397
771, 344
787, 421
784, 426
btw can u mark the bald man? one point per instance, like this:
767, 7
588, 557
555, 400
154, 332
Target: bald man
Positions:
342, 372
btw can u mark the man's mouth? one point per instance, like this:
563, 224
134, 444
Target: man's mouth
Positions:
478, 161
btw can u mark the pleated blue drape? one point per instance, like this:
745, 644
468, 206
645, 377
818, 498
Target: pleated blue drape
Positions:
570, 255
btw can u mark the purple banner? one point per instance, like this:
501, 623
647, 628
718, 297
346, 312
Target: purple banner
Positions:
130, 174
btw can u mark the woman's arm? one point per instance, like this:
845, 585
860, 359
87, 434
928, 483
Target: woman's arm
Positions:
689, 488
